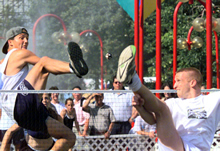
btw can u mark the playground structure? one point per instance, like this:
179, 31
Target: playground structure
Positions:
138, 40
64, 37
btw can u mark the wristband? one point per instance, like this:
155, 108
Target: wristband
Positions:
109, 131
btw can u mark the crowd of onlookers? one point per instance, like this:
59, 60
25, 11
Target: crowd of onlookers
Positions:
94, 114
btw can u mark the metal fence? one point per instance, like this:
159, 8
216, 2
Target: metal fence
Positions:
129, 142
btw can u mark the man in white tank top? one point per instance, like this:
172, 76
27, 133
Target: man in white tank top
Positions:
187, 123
25, 108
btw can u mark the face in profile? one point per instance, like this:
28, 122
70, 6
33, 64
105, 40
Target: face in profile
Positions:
46, 100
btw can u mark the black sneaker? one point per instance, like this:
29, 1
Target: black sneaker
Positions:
77, 64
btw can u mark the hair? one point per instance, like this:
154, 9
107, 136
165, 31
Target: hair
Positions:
100, 94
40, 95
167, 84
77, 87
53, 88
170, 86
68, 99
194, 74
113, 79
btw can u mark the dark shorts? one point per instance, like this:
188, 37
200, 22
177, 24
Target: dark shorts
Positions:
121, 128
17, 137
29, 112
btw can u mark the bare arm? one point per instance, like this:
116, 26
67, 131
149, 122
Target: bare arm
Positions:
62, 113
86, 127
108, 133
85, 106
133, 115
150, 134
76, 122
5, 146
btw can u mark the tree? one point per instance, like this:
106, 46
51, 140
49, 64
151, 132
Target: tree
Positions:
100, 16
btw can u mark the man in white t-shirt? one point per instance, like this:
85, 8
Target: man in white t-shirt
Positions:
185, 123
55, 100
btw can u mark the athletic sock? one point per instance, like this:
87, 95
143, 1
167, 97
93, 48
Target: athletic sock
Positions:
71, 70
135, 85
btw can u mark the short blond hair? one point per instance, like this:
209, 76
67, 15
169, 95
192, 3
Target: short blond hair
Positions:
194, 74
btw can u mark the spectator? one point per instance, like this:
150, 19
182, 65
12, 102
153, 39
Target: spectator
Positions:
165, 96
55, 100
82, 117
45, 99
68, 115
122, 108
143, 128
101, 116
203, 88
36, 140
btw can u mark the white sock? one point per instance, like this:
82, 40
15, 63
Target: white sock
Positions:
71, 70
135, 84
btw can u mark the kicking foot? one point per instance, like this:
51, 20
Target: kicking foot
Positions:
77, 64
126, 65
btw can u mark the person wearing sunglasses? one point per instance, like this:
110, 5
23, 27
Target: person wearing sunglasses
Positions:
122, 108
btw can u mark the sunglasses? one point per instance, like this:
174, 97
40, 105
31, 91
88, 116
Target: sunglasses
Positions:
117, 82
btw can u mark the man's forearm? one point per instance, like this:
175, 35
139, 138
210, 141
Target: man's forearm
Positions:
111, 127
85, 105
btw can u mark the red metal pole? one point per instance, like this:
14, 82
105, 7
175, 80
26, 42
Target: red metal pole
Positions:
136, 33
188, 38
101, 52
141, 42
190, 1
209, 43
35, 25
158, 46
203, 3
175, 40
217, 59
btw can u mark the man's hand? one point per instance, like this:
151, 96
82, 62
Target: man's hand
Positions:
151, 134
107, 134
137, 100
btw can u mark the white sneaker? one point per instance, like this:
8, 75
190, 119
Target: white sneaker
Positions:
126, 65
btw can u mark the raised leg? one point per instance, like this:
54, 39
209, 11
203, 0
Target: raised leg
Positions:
149, 103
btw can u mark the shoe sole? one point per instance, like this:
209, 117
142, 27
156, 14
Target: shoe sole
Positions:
125, 64
76, 59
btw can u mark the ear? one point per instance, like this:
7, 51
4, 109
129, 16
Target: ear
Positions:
193, 83
10, 42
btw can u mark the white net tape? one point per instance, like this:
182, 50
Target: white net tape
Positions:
93, 91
